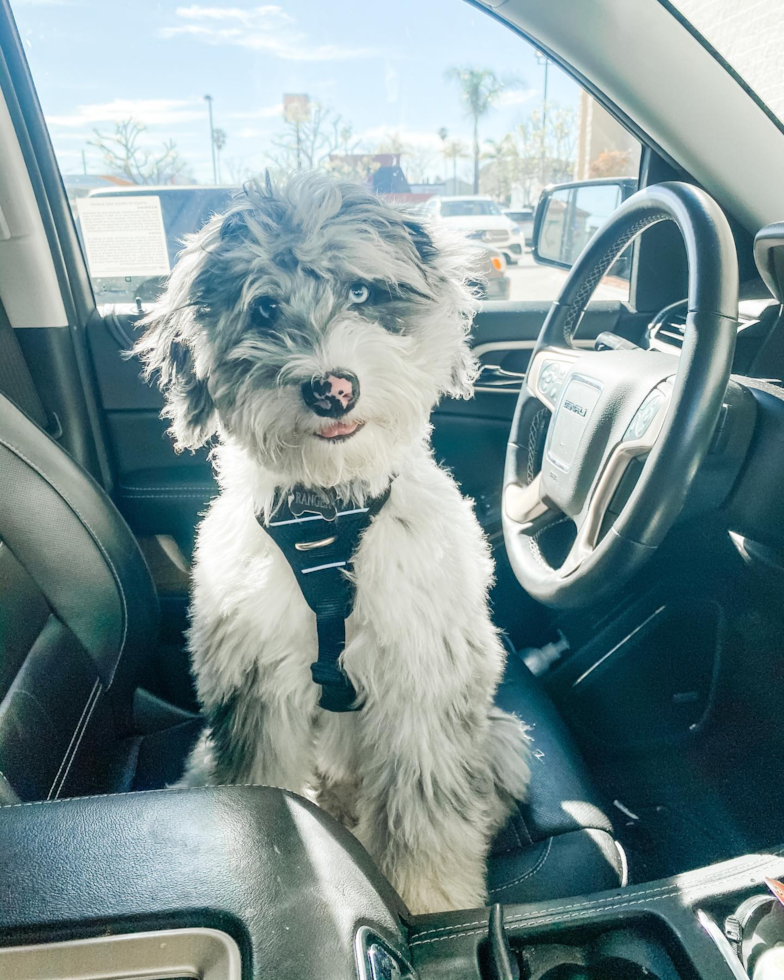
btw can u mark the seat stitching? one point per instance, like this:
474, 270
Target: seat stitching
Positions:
158, 496
97, 695
95, 538
598, 905
207, 489
76, 730
145, 792
529, 874
585, 291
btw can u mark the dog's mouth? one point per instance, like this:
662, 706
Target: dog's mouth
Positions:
340, 431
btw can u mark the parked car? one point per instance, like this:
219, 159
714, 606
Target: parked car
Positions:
524, 219
480, 218
184, 209
492, 282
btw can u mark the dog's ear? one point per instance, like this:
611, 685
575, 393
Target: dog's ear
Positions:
421, 240
234, 227
165, 352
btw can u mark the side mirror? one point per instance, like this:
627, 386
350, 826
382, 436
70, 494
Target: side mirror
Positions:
568, 216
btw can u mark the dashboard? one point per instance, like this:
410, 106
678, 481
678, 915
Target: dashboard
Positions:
758, 319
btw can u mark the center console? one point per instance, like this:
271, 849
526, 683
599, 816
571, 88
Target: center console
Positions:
249, 882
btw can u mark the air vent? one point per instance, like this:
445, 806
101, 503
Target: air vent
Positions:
669, 327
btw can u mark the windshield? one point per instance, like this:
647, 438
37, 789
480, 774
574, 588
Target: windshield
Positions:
175, 105
750, 37
455, 209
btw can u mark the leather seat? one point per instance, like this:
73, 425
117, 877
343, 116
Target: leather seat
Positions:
559, 842
79, 617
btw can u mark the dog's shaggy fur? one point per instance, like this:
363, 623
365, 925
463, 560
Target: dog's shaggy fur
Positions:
260, 302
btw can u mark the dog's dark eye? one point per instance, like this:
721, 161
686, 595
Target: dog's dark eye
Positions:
359, 292
264, 311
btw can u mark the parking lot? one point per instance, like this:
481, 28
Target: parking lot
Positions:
529, 281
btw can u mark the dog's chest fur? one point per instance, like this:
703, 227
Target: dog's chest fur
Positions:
421, 574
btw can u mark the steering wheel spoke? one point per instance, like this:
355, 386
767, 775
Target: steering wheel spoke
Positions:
547, 372
527, 508
638, 440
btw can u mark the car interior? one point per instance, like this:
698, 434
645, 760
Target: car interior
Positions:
639, 551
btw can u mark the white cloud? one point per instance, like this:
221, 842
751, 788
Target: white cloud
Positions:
263, 112
268, 28
150, 112
513, 96
271, 13
250, 133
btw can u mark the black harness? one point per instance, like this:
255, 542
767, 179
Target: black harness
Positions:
319, 542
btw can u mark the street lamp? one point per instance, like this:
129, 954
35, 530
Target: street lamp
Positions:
542, 59
208, 100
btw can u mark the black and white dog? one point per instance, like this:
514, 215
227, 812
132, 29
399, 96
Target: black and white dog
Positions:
313, 328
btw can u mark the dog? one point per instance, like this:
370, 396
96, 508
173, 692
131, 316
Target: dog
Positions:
310, 331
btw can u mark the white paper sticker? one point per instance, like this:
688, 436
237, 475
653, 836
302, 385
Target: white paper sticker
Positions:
124, 236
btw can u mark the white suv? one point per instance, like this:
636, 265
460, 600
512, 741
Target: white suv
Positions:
481, 218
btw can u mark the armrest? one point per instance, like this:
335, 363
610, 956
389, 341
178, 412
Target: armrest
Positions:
286, 881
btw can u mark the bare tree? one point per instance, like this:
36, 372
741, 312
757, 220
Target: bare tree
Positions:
392, 143
556, 165
454, 150
501, 172
238, 170
419, 163
125, 155
308, 144
562, 137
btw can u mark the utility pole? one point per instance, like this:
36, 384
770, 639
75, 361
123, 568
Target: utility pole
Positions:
208, 100
84, 164
542, 59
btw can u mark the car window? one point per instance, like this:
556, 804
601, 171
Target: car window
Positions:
174, 106
457, 209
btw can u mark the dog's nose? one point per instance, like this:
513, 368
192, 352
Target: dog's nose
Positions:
333, 395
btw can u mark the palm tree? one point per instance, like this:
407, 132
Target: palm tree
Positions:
480, 91
454, 151
442, 134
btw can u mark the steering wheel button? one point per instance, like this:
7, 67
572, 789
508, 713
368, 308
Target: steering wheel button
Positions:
644, 416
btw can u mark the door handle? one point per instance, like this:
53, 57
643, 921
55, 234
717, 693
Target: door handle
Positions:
494, 376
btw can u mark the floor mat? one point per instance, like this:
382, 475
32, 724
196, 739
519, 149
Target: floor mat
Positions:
661, 840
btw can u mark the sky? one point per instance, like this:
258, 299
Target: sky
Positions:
379, 65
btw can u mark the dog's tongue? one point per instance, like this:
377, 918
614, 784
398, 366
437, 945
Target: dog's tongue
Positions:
338, 429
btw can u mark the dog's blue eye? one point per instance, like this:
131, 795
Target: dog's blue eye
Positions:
264, 310
359, 293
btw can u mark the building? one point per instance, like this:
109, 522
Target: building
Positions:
604, 147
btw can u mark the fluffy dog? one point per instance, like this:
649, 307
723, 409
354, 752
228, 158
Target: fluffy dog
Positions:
321, 294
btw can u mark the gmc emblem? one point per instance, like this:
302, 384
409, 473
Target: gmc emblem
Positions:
577, 409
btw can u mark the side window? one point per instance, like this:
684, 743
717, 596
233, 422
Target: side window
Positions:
173, 107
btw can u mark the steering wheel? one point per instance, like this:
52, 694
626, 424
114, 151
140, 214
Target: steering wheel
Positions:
589, 423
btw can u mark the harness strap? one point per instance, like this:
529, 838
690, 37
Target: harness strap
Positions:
319, 542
